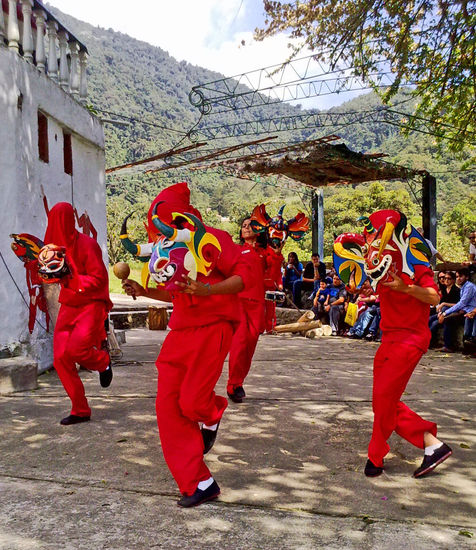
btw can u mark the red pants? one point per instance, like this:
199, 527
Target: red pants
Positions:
393, 365
269, 315
189, 364
244, 342
78, 334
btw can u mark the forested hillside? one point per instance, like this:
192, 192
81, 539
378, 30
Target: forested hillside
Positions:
143, 82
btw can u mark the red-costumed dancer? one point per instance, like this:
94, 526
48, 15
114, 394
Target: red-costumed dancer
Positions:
277, 231
252, 305
205, 315
75, 261
397, 265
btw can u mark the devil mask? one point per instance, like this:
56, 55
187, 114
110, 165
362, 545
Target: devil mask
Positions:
277, 229
181, 245
383, 246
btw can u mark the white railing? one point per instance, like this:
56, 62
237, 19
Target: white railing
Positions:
25, 27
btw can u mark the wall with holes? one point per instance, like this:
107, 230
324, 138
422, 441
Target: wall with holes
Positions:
70, 169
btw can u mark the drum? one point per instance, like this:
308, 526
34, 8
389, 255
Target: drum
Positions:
275, 296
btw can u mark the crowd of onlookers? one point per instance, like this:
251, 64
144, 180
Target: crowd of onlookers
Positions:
358, 315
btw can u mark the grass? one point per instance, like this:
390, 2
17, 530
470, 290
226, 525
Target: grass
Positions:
115, 283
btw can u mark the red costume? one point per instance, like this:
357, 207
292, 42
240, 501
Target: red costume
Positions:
251, 324
391, 255
192, 355
405, 338
85, 303
273, 280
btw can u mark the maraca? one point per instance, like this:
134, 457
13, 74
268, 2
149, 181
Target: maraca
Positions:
122, 270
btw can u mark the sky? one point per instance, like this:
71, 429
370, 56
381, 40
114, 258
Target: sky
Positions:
207, 33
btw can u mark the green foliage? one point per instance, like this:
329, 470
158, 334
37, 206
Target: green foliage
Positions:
429, 44
137, 80
461, 220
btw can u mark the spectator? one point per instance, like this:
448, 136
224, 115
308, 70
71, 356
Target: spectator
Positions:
466, 304
314, 272
335, 304
470, 326
442, 281
472, 249
367, 308
450, 295
292, 272
434, 252
320, 300
330, 275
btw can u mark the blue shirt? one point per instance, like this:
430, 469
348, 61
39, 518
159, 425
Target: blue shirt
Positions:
467, 300
323, 294
290, 275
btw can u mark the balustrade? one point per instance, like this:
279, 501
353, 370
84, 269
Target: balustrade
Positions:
25, 27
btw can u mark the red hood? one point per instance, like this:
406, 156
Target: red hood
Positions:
175, 198
61, 228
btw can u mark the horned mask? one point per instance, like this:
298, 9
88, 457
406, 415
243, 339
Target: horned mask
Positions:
182, 249
277, 229
383, 246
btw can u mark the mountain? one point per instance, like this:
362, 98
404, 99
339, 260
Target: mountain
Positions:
137, 80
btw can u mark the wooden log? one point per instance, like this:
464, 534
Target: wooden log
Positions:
326, 330
307, 316
297, 327
314, 333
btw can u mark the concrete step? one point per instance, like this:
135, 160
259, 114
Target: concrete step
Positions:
18, 374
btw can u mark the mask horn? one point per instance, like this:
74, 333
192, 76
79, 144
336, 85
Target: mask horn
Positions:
166, 230
367, 224
131, 246
281, 210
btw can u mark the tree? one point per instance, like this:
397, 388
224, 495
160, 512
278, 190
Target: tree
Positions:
427, 44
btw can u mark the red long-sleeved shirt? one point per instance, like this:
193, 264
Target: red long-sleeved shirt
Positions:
192, 311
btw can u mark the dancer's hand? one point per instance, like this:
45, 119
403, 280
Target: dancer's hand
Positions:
396, 283
133, 288
195, 288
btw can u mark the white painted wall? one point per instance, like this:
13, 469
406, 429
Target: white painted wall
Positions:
22, 174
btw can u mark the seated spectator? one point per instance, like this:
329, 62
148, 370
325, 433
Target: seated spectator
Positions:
470, 326
330, 275
368, 310
320, 299
335, 304
466, 304
450, 295
314, 272
472, 250
292, 273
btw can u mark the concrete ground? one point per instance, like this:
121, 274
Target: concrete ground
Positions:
289, 460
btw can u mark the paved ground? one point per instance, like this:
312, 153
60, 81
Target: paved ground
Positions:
289, 460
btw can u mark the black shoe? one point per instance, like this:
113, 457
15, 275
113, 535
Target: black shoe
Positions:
74, 419
105, 377
238, 394
371, 470
209, 437
430, 462
370, 337
199, 496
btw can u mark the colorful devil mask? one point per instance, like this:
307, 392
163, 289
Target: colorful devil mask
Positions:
185, 248
383, 246
53, 264
26, 246
277, 229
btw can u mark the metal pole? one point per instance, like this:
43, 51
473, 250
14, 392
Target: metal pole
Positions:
317, 222
429, 208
